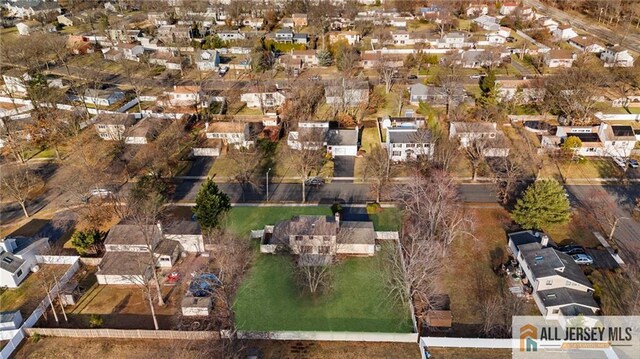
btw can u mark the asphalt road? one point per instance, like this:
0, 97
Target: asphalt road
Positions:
343, 192
627, 233
625, 39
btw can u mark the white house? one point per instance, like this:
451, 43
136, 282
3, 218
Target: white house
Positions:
145, 130
560, 288
208, 60
166, 59
208, 148
616, 56
184, 96
435, 95
186, 232
604, 140
477, 9
237, 134
468, 132
18, 258
231, 35
256, 98
16, 81
99, 97
520, 91
564, 32
487, 22
347, 93
351, 37
407, 143
508, 8
559, 58
309, 135
113, 126
453, 40
586, 44
342, 142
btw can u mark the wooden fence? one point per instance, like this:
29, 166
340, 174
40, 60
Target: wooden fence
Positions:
123, 334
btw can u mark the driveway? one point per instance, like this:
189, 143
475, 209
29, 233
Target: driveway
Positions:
602, 259
201, 166
343, 166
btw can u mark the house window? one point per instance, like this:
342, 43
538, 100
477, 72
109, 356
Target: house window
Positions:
324, 249
298, 238
306, 249
396, 153
19, 273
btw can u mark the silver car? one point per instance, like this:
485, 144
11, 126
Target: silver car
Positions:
582, 259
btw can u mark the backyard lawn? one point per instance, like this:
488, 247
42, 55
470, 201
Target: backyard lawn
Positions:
358, 300
31, 291
585, 169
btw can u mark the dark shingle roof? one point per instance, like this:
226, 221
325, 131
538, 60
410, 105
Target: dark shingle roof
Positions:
342, 137
563, 296
124, 263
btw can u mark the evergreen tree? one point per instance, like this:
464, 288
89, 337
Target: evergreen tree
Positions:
544, 202
324, 58
86, 241
211, 205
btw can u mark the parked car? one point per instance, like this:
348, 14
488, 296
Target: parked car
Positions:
633, 163
315, 78
475, 77
314, 181
582, 259
619, 161
511, 39
571, 249
223, 71
412, 77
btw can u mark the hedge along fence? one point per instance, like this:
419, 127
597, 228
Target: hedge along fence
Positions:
123, 334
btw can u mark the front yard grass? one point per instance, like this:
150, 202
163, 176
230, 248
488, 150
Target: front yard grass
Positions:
584, 169
358, 299
577, 231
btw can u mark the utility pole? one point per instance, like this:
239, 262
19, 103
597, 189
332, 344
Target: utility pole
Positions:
269, 170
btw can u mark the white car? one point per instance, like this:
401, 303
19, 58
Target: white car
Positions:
619, 161
101, 192
582, 259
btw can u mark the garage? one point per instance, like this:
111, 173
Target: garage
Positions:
342, 142
124, 268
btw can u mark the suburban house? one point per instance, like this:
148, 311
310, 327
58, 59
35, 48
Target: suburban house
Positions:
299, 20
520, 91
208, 60
231, 35
308, 58
408, 143
145, 131
18, 257
123, 51
616, 56
30, 8
468, 132
488, 23
559, 58
309, 135
548, 22
284, 35
471, 59
253, 22
373, 59
564, 32
207, 148
79, 45
184, 96
347, 93
171, 34
477, 9
263, 98
342, 142
604, 140
435, 95
26, 28
586, 44
186, 232
301, 38
15, 81
127, 260
560, 288
166, 59
453, 40
98, 97
508, 8
112, 126
238, 134
351, 37
325, 236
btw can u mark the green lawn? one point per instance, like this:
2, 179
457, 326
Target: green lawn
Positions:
357, 301
369, 138
388, 219
242, 220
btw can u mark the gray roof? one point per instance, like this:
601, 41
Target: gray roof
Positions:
6, 317
566, 296
166, 247
304, 226
183, 227
352, 232
131, 234
124, 263
10, 262
342, 137
408, 136
546, 262
196, 302
525, 237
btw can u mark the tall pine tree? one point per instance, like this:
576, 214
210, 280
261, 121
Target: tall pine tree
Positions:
211, 205
544, 203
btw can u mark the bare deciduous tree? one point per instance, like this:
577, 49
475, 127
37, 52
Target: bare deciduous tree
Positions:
18, 183
377, 170
475, 152
309, 157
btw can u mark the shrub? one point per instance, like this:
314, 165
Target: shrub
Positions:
336, 208
96, 321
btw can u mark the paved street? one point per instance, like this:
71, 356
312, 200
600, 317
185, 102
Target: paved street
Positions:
627, 233
626, 39
345, 192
